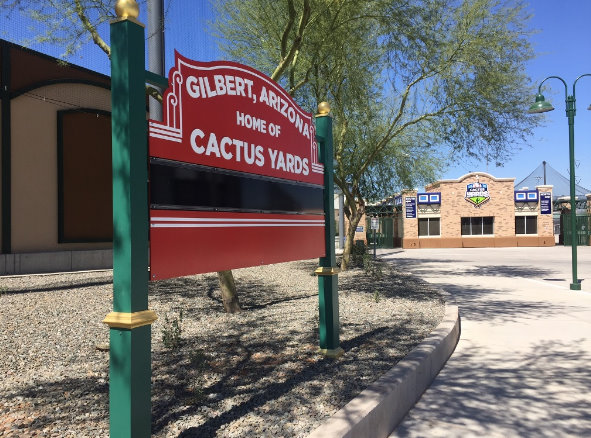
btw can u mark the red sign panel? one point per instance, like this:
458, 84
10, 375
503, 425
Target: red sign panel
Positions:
230, 116
261, 208
188, 242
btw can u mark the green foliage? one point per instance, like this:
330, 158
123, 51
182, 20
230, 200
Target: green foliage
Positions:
359, 254
66, 23
197, 366
372, 267
376, 296
411, 84
172, 331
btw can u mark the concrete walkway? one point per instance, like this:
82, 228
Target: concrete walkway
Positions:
522, 367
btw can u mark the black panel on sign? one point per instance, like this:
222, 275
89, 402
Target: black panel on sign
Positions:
176, 185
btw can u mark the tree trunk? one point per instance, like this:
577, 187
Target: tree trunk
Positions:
349, 240
229, 294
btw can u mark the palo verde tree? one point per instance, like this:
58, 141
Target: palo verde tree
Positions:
73, 23
407, 79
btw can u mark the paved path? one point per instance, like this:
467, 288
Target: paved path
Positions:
522, 367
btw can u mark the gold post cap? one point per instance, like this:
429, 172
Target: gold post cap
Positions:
127, 9
323, 109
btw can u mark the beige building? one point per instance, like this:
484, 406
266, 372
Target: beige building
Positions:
55, 169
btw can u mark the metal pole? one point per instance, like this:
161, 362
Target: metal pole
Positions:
328, 297
374, 244
156, 50
544, 164
541, 106
570, 113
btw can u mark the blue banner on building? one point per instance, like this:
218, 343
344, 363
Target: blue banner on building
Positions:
545, 203
411, 207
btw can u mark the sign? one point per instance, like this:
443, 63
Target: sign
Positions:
546, 203
410, 204
375, 223
359, 229
229, 116
477, 193
235, 177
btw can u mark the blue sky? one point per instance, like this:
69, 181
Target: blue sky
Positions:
563, 47
562, 44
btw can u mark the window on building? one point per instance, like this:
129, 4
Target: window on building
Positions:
477, 226
429, 226
526, 225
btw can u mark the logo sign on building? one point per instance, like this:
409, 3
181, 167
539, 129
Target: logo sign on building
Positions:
410, 204
546, 203
477, 193
235, 179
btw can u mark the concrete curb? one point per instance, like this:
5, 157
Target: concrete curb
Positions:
377, 410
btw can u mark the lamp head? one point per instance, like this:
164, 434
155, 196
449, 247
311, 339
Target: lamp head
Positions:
540, 106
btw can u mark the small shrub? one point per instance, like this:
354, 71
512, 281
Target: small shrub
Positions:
197, 366
198, 360
372, 268
358, 254
172, 330
376, 296
196, 389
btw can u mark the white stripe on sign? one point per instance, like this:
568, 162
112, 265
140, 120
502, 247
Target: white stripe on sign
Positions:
218, 225
198, 219
166, 137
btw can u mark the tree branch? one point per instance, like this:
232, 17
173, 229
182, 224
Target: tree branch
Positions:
297, 42
288, 27
91, 29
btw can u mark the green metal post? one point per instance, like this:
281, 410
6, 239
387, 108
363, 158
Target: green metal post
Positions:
328, 272
130, 330
570, 113
541, 106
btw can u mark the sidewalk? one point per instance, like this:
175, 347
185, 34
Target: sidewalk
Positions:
522, 366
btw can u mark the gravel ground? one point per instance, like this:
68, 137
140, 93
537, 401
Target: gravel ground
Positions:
252, 374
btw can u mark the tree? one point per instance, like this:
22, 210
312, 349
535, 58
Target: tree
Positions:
407, 78
71, 24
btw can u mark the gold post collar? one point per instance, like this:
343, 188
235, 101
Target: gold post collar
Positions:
131, 320
327, 271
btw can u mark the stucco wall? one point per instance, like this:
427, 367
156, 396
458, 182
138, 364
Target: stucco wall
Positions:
34, 163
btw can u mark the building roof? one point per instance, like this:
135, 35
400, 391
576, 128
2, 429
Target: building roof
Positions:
547, 175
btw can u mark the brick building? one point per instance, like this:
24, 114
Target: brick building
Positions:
476, 210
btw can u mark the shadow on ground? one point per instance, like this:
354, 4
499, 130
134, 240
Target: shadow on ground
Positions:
540, 392
478, 268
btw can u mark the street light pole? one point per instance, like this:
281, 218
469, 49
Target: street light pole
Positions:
541, 106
